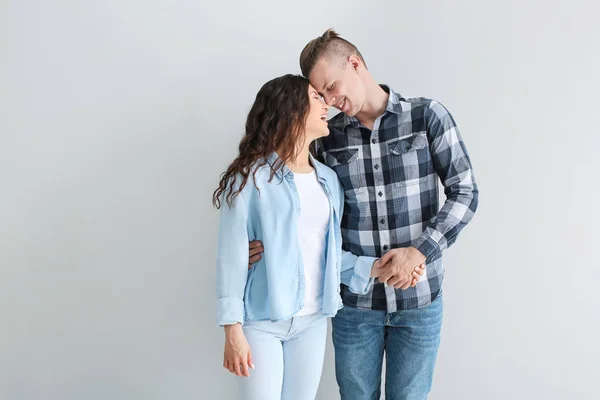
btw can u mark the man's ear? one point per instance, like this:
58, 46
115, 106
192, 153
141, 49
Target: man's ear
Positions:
355, 62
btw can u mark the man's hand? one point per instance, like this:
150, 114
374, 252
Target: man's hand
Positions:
256, 248
402, 264
378, 269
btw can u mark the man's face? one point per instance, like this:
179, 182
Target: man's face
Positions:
340, 83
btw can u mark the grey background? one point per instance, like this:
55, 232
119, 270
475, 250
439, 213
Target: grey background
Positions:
117, 117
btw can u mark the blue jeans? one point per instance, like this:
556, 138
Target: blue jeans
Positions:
287, 356
410, 339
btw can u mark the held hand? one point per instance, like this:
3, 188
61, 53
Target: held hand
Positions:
399, 267
417, 274
378, 269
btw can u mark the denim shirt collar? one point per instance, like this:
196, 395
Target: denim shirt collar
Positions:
286, 172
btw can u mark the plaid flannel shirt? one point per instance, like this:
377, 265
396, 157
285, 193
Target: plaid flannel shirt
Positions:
390, 177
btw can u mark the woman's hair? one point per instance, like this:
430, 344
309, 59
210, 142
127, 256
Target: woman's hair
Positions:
276, 122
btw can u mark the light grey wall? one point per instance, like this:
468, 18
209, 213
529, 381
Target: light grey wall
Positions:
117, 117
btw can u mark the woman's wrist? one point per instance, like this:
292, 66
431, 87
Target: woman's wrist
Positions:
232, 328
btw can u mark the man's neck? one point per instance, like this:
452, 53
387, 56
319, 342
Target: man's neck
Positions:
374, 106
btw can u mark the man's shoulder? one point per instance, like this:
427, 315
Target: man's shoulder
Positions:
416, 102
429, 106
337, 136
337, 121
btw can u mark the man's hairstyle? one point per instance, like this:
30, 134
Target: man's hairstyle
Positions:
330, 45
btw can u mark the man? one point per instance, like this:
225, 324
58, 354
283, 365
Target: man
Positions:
389, 153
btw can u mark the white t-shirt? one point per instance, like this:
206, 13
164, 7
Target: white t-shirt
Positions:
312, 231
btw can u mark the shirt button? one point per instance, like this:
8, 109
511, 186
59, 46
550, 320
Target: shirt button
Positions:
385, 247
373, 141
380, 194
382, 221
376, 166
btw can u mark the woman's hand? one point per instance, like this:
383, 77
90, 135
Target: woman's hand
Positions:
238, 355
416, 275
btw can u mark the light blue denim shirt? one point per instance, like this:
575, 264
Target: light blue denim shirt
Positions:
273, 289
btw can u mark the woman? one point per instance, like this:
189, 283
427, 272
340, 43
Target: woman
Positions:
276, 192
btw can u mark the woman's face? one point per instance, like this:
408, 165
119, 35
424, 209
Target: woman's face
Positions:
316, 121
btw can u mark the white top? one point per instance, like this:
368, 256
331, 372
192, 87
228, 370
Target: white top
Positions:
312, 231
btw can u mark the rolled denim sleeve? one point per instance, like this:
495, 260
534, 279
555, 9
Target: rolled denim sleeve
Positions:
356, 272
232, 262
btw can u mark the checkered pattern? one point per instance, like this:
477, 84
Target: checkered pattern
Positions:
390, 177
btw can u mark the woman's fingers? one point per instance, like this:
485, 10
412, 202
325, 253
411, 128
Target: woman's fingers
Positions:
238, 369
250, 363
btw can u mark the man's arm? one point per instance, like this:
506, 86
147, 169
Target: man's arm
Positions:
453, 165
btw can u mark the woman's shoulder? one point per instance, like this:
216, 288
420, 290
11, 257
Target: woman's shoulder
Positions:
259, 174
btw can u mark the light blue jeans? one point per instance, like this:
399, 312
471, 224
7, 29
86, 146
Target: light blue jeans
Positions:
287, 356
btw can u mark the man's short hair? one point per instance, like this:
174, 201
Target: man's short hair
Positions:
330, 44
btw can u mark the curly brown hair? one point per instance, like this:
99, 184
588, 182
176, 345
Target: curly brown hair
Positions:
276, 122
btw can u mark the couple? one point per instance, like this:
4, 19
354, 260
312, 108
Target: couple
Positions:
343, 221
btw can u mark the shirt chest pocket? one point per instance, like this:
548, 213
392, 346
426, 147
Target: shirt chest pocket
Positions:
348, 165
409, 160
